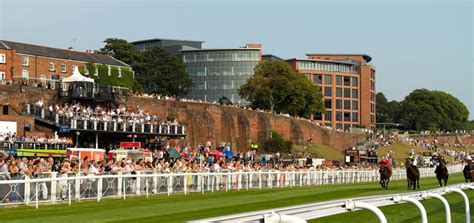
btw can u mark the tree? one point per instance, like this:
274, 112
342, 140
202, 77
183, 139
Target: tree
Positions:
225, 101
164, 73
386, 111
423, 109
121, 50
275, 86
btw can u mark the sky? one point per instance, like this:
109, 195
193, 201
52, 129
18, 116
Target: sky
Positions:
414, 44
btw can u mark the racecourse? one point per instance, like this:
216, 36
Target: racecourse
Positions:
180, 208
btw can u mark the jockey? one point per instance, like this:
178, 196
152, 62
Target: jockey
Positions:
412, 157
385, 162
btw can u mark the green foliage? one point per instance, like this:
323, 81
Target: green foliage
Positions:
126, 80
122, 50
387, 112
431, 110
164, 74
275, 143
275, 86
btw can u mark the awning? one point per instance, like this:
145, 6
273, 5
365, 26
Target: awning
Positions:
77, 77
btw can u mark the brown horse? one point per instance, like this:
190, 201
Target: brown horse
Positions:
468, 172
413, 176
442, 173
385, 174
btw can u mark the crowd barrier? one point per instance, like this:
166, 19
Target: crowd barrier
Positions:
58, 188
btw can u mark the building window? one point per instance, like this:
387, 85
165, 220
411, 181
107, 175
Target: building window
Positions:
372, 85
328, 103
347, 92
347, 116
327, 79
339, 116
338, 104
2, 76
43, 80
354, 93
96, 71
355, 105
26, 61
355, 116
108, 70
51, 66
347, 81
338, 126
338, 92
3, 58
86, 71
347, 104
355, 82
25, 74
318, 79
120, 72
372, 108
328, 116
338, 80
371, 96
372, 118
328, 91
63, 68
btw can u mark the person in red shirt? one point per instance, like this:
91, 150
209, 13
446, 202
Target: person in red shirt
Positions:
385, 162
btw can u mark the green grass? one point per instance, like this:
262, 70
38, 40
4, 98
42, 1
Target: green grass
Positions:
179, 208
319, 151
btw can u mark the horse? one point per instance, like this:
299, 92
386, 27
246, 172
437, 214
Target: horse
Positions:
468, 172
413, 176
442, 173
385, 174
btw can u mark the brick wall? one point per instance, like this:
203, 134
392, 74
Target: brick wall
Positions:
207, 122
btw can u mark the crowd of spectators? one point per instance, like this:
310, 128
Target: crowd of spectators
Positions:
14, 138
120, 114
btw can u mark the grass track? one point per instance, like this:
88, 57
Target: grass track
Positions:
179, 208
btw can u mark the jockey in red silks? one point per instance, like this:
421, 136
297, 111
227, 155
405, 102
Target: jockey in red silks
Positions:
386, 162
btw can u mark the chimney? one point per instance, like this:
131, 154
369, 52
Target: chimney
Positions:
70, 48
88, 51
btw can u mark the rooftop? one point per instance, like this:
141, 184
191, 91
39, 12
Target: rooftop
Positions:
160, 39
219, 49
66, 54
328, 61
366, 57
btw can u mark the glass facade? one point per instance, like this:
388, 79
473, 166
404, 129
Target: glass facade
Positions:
220, 73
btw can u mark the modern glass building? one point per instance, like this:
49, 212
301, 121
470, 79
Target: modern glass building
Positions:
174, 46
218, 73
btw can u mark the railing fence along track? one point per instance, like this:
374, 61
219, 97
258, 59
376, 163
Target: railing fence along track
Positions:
62, 188
301, 213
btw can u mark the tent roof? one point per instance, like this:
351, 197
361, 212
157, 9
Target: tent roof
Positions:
77, 77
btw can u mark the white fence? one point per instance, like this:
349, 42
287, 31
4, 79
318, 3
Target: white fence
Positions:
50, 188
301, 213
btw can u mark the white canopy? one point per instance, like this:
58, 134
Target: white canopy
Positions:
77, 77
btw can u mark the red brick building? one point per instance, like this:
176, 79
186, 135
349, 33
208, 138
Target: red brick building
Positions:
347, 82
42, 64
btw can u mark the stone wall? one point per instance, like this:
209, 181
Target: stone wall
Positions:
208, 122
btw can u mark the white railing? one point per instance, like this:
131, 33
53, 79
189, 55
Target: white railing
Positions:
301, 213
51, 188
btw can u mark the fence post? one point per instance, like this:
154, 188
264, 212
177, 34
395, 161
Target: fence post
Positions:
466, 202
443, 200
170, 184
119, 184
137, 183
155, 184
27, 197
239, 182
260, 180
53, 187
99, 189
77, 187
351, 205
424, 217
